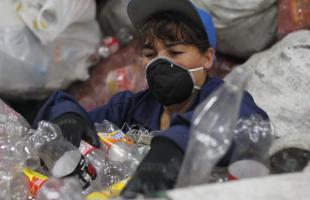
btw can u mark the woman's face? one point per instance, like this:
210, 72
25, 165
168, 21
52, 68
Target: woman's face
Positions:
187, 56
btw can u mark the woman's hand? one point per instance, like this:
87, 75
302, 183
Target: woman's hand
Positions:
158, 170
75, 128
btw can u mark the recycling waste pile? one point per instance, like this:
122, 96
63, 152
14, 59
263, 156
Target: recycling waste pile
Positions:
46, 45
43, 51
41, 164
37, 162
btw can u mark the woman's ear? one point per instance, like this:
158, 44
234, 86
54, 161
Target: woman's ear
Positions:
209, 58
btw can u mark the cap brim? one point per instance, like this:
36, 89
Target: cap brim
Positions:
139, 11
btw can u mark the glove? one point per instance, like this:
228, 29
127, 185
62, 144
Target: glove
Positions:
158, 170
75, 128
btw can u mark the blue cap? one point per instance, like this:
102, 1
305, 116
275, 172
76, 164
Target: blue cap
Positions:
139, 11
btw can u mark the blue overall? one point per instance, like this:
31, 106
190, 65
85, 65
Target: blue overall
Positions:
141, 108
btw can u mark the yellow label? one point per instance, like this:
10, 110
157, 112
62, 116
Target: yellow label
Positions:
32, 174
111, 192
44, 25
96, 196
19, 7
35, 25
109, 139
35, 181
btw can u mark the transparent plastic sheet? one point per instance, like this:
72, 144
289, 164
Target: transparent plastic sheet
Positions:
212, 129
239, 24
47, 19
253, 137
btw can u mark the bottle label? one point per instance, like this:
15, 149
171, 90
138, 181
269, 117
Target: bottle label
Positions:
231, 177
85, 148
109, 139
84, 172
111, 192
111, 43
35, 181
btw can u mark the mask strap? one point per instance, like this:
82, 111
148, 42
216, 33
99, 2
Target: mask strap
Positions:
196, 69
196, 87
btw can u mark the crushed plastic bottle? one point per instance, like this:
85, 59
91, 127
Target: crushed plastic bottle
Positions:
252, 138
35, 181
212, 130
13, 154
290, 153
120, 147
61, 189
123, 156
60, 156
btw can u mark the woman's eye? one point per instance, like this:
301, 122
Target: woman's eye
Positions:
175, 53
149, 55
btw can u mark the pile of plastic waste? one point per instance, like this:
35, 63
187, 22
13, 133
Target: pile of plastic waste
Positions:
41, 164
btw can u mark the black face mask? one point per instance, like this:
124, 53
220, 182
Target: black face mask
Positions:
169, 83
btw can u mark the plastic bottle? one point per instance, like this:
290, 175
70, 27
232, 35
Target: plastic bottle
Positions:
252, 138
124, 35
123, 155
212, 130
12, 182
109, 46
119, 146
60, 156
290, 153
60, 189
97, 157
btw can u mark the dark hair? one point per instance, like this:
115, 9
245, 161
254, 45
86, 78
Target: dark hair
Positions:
173, 27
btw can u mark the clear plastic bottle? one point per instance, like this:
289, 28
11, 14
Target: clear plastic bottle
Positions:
98, 159
60, 189
120, 147
60, 156
252, 138
123, 155
12, 182
212, 130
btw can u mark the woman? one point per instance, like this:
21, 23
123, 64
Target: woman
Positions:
178, 51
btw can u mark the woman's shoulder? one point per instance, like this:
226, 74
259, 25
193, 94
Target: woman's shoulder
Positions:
210, 85
131, 96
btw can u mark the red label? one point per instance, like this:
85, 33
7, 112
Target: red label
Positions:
34, 186
85, 148
231, 177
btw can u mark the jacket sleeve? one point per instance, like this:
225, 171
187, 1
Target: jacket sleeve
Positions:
179, 129
116, 110
59, 103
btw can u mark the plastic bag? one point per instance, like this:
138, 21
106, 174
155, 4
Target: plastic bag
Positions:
280, 84
49, 18
32, 70
243, 27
